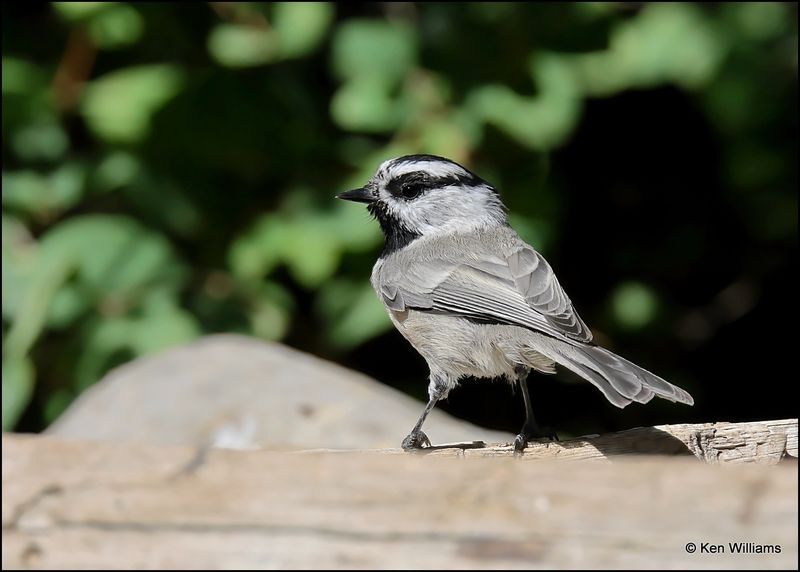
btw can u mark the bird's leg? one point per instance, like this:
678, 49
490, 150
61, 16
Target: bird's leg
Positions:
437, 389
531, 428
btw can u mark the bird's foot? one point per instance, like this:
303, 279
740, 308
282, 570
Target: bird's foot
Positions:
416, 440
532, 432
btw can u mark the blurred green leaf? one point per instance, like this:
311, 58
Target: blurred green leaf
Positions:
30, 316
162, 200
449, 137
254, 254
352, 312
731, 103
159, 323
111, 261
353, 227
236, 45
103, 339
18, 376
380, 50
44, 195
493, 11
19, 264
118, 105
666, 42
540, 122
364, 104
301, 26
162, 323
114, 256
22, 77
57, 403
373, 56
80, 10
761, 20
116, 170
271, 314
41, 141
29, 114
634, 305
68, 304
311, 252
298, 28
117, 26
309, 242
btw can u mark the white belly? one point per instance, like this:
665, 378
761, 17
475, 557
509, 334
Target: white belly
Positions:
458, 348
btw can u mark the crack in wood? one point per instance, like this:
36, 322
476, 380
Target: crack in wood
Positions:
27, 506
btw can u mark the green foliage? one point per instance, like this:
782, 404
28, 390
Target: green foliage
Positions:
634, 305
18, 380
118, 106
351, 312
296, 29
114, 280
78, 11
371, 57
169, 168
37, 194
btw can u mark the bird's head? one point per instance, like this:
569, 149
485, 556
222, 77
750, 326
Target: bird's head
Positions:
421, 195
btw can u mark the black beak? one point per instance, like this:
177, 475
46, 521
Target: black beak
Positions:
362, 195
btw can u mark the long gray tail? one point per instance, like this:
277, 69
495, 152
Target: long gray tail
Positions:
620, 380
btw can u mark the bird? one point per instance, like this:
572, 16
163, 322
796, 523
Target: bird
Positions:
474, 299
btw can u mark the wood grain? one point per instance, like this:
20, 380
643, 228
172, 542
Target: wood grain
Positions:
763, 442
78, 504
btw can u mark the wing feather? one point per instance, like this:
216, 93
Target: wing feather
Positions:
519, 289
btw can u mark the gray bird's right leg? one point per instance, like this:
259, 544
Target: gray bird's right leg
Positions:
438, 389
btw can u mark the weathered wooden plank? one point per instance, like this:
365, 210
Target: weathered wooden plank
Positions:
763, 442
73, 504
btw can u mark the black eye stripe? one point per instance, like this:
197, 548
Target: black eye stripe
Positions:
411, 185
396, 185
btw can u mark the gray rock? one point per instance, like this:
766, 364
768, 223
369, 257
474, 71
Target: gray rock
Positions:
238, 392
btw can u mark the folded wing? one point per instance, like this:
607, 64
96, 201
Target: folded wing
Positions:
520, 289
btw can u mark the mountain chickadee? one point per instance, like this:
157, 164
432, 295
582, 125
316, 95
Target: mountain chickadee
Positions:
473, 298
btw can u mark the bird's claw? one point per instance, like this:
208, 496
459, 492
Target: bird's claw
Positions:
416, 440
521, 440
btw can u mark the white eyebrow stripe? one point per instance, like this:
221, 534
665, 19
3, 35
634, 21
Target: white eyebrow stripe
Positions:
433, 168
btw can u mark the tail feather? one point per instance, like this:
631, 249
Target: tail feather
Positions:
657, 385
596, 379
620, 380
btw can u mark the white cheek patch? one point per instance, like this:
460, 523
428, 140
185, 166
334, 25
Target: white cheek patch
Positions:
449, 208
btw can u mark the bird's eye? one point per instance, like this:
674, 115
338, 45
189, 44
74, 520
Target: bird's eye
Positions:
411, 190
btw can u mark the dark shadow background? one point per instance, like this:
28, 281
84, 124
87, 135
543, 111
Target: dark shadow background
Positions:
649, 151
